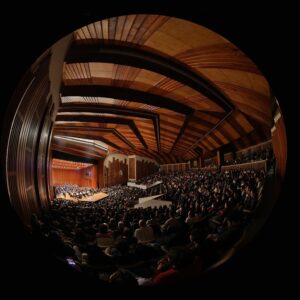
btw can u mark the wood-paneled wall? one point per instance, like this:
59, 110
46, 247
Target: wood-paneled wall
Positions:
49, 187
61, 176
145, 168
86, 177
169, 168
44, 158
116, 172
100, 172
279, 141
132, 168
89, 176
256, 165
220, 158
28, 141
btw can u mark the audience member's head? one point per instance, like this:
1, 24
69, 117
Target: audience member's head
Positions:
103, 228
142, 223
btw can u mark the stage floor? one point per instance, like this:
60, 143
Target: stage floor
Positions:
94, 198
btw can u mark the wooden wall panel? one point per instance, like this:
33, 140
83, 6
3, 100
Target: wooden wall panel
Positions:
219, 158
61, 176
43, 158
138, 169
256, 165
145, 168
132, 165
50, 190
105, 175
89, 176
279, 141
86, 177
117, 172
101, 182
174, 167
25, 143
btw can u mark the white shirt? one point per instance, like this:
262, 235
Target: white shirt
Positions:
144, 234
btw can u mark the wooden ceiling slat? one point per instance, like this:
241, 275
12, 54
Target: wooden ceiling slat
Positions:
222, 55
152, 23
144, 24
98, 30
112, 28
135, 28
127, 26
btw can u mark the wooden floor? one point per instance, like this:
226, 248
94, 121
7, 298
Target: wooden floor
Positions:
94, 198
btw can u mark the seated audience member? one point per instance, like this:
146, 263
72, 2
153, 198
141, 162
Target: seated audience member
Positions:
119, 231
191, 218
144, 234
180, 266
96, 257
202, 247
58, 247
123, 277
123, 252
170, 223
104, 238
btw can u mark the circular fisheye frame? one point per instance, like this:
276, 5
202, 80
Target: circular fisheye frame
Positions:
144, 150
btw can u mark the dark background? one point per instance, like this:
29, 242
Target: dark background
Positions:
267, 35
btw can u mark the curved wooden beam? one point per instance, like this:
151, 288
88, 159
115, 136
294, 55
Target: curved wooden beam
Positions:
124, 93
143, 59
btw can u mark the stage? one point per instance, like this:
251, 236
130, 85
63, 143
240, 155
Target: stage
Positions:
94, 198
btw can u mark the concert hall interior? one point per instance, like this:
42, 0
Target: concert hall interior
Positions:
144, 150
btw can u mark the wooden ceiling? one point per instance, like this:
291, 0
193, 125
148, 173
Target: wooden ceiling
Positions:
159, 87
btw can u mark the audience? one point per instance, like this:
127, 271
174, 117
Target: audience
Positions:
162, 245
